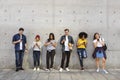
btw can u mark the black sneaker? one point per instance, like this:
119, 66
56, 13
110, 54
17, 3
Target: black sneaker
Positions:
82, 69
17, 70
21, 69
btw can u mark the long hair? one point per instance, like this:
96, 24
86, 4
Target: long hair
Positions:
51, 34
95, 35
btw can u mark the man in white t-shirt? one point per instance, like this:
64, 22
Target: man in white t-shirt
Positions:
66, 41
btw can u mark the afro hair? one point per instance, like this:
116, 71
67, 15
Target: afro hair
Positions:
81, 34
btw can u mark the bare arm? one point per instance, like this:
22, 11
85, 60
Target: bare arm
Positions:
38, 45
15, 42
46, 43
54, 44
26, 46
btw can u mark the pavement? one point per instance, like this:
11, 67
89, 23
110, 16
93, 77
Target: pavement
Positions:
74, 74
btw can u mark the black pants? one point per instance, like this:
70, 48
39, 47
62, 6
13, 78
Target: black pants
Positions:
64, 55
36, 58
50, 58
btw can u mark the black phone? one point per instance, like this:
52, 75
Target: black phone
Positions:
98, 40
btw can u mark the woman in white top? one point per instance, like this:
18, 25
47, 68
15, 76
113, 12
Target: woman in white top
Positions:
51, 46
99, 52
36, 52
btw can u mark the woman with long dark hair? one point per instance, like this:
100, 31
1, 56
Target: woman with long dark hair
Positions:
51, 46
99, 52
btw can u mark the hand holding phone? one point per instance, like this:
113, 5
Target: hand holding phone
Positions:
63, 40
19, 40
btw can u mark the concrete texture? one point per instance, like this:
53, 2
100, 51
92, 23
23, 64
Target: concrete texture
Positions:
55, 75
45, 16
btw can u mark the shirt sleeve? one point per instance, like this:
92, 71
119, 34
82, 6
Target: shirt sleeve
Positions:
33, 44
25, 40
61, 40
72, 41
94, 41
14, 38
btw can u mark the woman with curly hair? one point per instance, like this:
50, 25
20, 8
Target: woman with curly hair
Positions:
81, 48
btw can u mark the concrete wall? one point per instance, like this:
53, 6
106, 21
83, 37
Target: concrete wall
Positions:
45, 16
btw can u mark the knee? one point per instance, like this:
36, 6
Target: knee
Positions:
103, 60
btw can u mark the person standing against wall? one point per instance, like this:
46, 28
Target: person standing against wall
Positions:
99, 52
20, 42
67, 42
81, 48
36, 52
51, 46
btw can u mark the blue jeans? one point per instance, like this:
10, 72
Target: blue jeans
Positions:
19, 58
36, 58
80, 52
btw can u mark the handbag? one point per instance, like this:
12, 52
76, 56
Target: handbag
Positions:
105, 47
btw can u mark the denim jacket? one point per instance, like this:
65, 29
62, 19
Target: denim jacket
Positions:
70, 39
16, 37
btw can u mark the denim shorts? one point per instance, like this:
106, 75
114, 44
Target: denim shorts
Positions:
99, 54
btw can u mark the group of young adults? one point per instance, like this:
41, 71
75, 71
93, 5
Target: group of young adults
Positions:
67, 42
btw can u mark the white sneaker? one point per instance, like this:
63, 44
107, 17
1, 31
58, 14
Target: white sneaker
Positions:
67, 69
105, 71
51, 69
98, 70
34, 69
47, 69
61, 70
38, 69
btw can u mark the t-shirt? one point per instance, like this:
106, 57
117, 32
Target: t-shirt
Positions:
21, 48
66, 44
50, 46
36, 48
99, 42
80, 41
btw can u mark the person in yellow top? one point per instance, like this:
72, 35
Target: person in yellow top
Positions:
81, 43
81, 48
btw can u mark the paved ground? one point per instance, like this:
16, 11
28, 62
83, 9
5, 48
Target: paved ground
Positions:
56, 75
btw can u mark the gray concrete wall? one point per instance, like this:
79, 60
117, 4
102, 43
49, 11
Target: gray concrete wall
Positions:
45, 16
